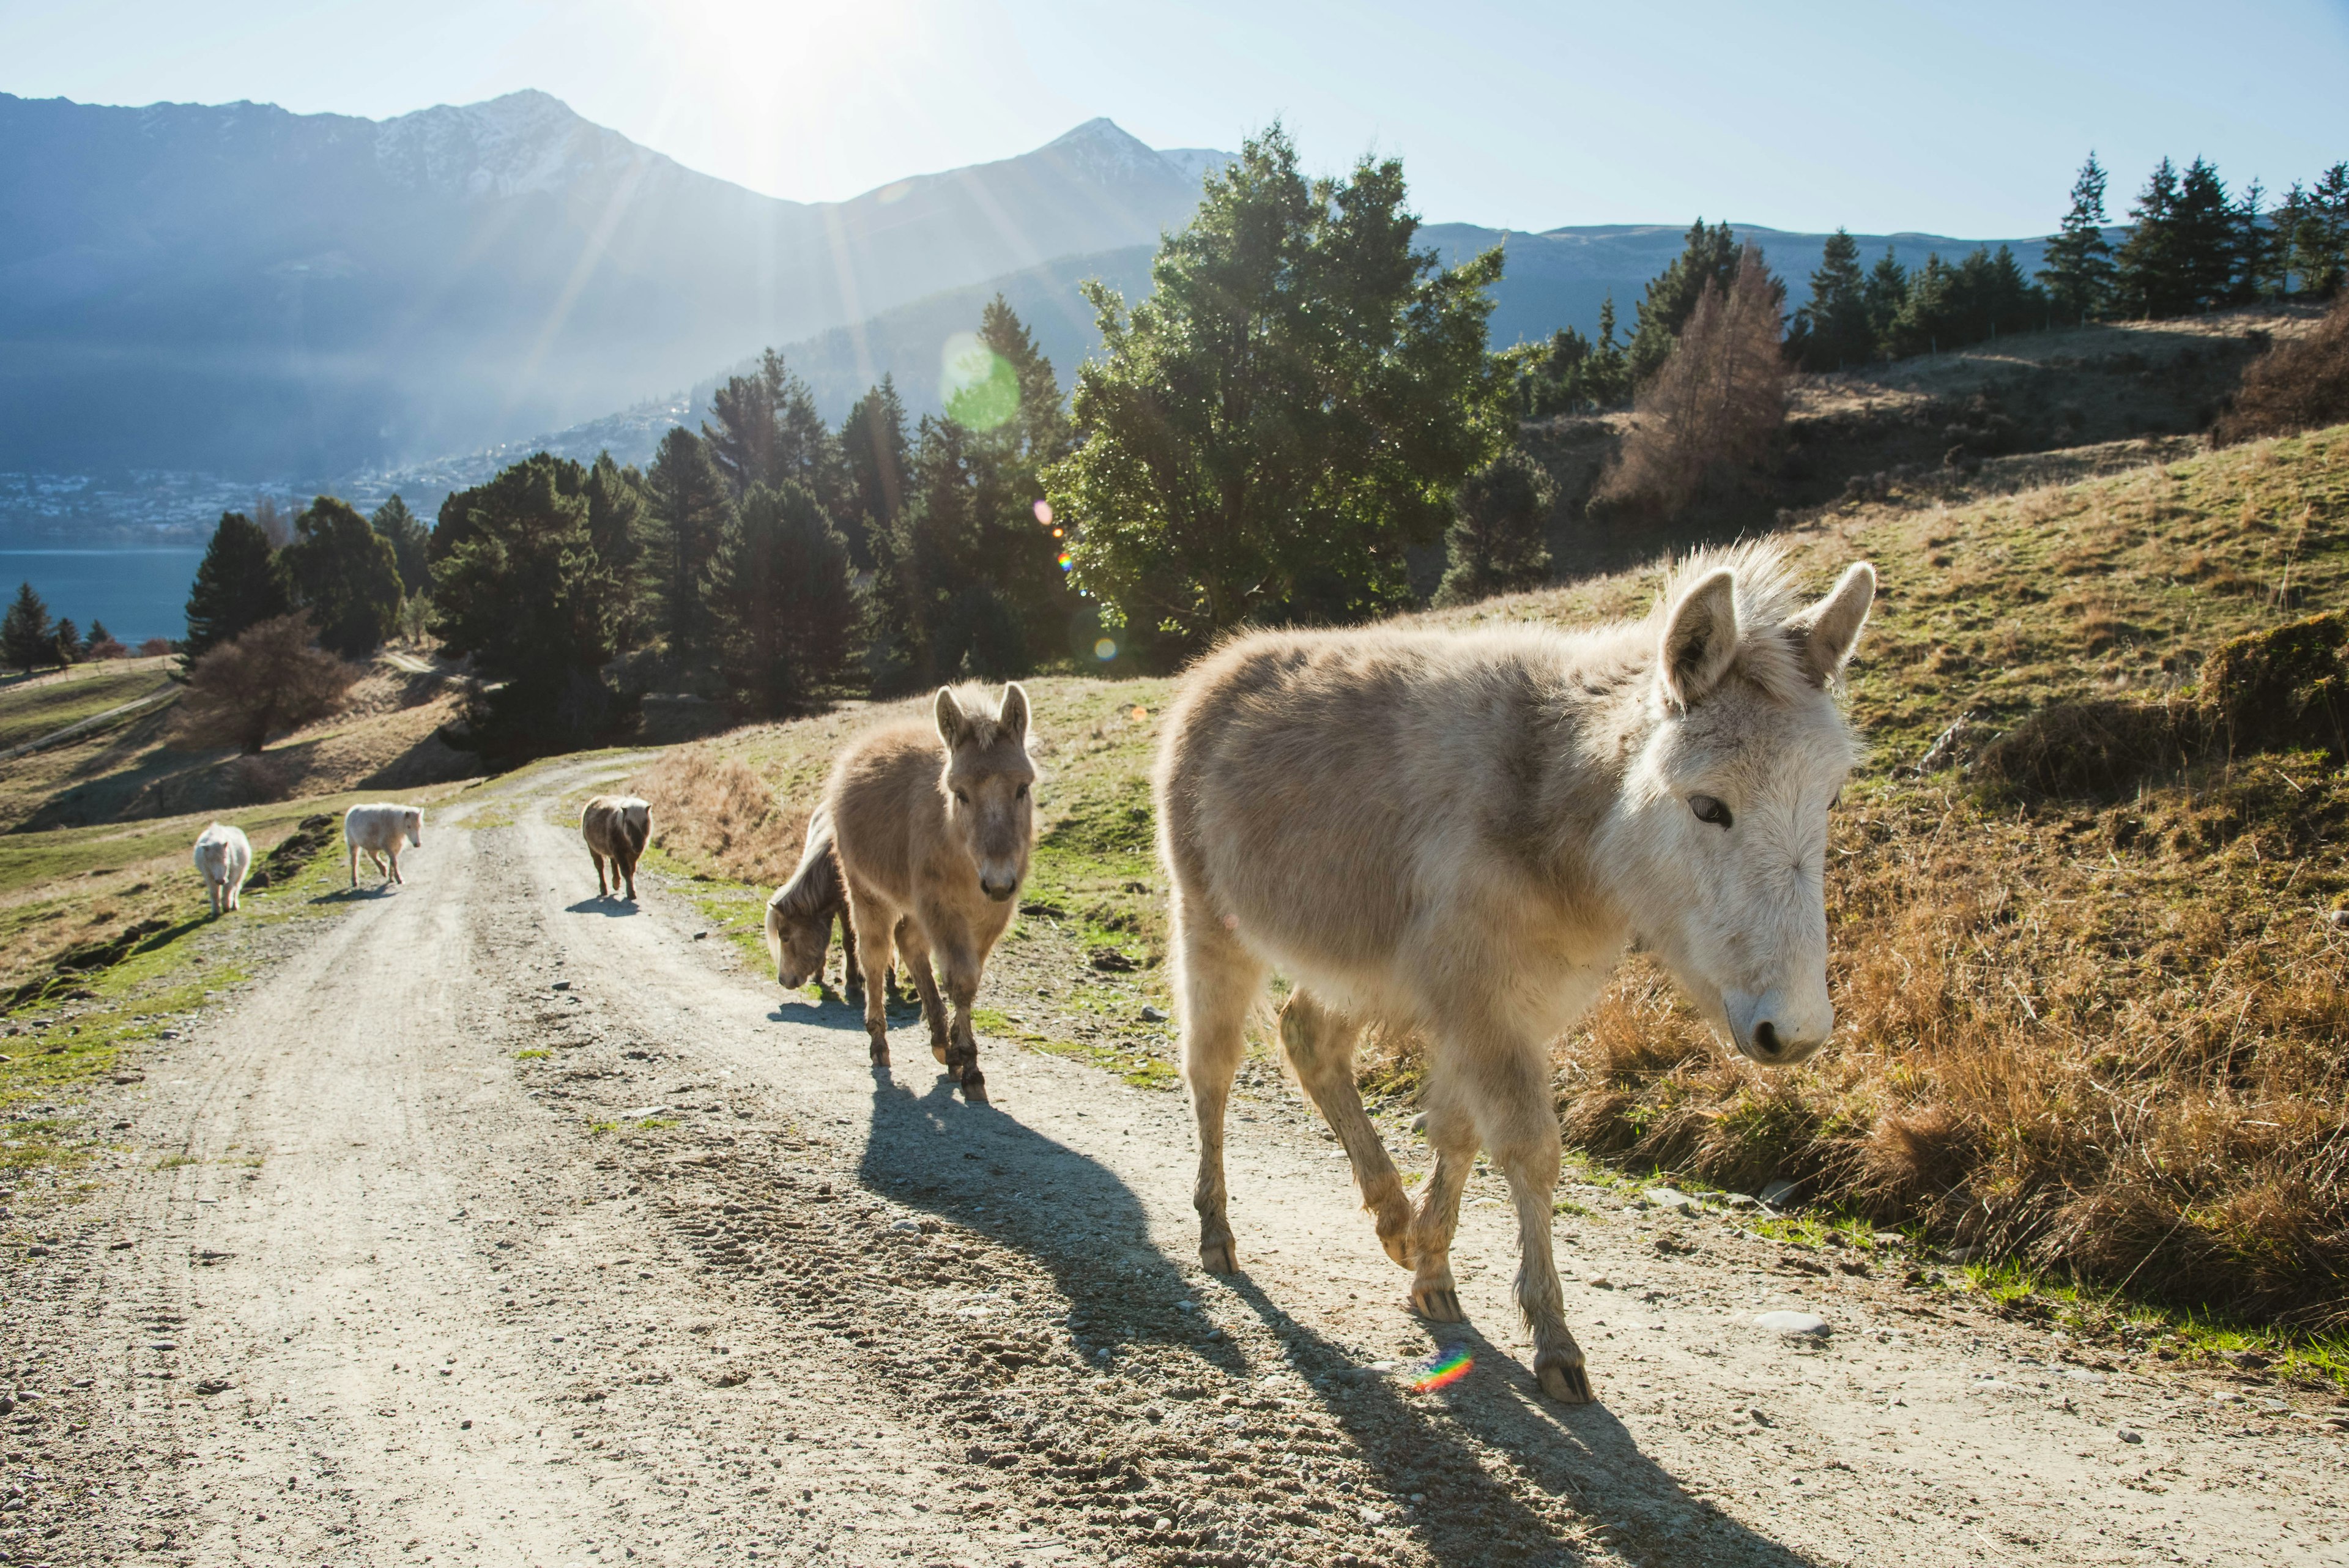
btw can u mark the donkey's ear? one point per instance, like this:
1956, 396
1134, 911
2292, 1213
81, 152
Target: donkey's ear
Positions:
1825, 633
1014, 716
952, 725
1700, 637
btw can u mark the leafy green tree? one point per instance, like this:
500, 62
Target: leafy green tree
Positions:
406, 534
1709, 256
1291, 408
1831, 331
526, 596
2079, 275
1497, 542
343, 574
780, 592
763, 429
1572, 374
29, 640
875, 449
691, 508
237, 584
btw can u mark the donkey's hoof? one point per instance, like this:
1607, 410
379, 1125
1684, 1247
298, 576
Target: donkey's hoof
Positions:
974, 1087
880, 1052
1219, 1257
938, 1049
1565, 1379
1438, 1304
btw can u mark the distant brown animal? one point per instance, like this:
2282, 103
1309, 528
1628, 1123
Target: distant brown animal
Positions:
1460, 834
800, 912
615, 827
933, 829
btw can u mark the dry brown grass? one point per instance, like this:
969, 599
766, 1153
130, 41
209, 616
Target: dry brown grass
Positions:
2297, 385
719, 814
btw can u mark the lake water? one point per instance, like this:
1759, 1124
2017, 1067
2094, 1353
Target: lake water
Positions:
139, 593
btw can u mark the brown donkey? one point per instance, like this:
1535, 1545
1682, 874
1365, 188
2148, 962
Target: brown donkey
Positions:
933, 829
1459, 833
800, 916
615, 827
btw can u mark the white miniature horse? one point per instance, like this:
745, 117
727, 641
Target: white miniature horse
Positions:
224, 858
377, 830
1460, 834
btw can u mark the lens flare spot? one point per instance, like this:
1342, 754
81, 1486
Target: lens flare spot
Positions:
1140, 712
1445, 1370
1044, 513
979, 386
1066, 560
1105, 649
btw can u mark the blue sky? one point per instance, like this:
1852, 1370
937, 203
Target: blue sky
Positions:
1964, 118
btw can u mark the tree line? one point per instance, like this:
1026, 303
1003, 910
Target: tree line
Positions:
1304, 401
31, 639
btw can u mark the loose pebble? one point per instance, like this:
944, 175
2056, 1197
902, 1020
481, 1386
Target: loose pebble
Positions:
1794, 1325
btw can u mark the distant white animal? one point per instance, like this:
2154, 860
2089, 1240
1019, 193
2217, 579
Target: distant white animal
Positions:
225, 856
378, 829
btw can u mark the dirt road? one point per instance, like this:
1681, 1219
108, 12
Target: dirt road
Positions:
495, 1223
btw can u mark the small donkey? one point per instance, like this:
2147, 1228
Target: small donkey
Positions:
800, 912
1460, 834
933, 829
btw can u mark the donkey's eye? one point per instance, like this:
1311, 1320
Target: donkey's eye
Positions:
963, 795
1708, 809
1020, 793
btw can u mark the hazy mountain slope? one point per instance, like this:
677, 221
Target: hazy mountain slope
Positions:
242, 289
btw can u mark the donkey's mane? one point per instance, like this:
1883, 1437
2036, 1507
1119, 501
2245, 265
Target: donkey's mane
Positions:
1768, 598
816, 880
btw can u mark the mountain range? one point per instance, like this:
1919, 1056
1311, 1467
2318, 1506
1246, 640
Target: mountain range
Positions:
264, 299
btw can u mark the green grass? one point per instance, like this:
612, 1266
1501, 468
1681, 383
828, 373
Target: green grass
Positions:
1142, 1069
28, 712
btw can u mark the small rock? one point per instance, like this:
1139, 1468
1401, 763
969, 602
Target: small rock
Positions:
1794, 1324
560, 985
1186, 1306
1760, 1417
1779, 1194
212, 1386
2129, 1434
2225, 1396
2248, 1360
1667, 1198
1419, 1123
162, 1344
913, 1225
1741, 1200
1959, 1254
1152, 1015
698, 935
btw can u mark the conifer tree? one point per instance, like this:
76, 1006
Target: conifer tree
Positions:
69, 643
763, 429
1831, 331
1496, 544
343, 574
873, 447
2079, 273
779, 594
2150, 273
27, 638
1884, 298
2207, 247
237, 584
689, 506
1710, 255
406, 534
620, 528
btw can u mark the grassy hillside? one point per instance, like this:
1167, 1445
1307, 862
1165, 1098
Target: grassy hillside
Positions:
2091, 1027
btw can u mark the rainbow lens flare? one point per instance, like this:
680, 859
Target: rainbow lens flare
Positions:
1445, 1370
1105, 649
1065, 559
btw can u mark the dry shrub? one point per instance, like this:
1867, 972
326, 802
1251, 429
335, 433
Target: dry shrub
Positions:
2286, 687
2098, 749
2299, 385
723, 815
1716, 405
271, 681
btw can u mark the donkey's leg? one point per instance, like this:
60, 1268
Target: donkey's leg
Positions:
597, 857
913, 952
395, 866
852, 979
632, 878
355, 863
961, 962
1521, 1130
1216, 981
1321, 1045
874, 945
1452, 1133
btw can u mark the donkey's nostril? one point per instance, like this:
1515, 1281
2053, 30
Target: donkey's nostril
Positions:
1766, 1038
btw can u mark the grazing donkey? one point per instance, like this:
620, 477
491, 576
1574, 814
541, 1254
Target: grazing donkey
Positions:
800, 912
225, 856
378, 829
933, 829
1460, 833
615, 827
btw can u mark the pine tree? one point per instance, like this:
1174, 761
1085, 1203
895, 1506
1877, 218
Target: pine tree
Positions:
1885, 297
1018, 539
873, 447
1718, 403
28, 639
1497, 542
779, 591
2150, 275
2206, 242
237, 584
2321, 251
763, 429
1710, 255
406, 534
2079, 274
620, 527
342, 574
69, 643
1831, 331
689, 507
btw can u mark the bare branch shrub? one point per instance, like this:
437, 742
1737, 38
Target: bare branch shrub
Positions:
271, 680
2300, 385
1715, 405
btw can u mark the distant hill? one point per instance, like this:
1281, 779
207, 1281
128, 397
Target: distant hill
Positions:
239, 289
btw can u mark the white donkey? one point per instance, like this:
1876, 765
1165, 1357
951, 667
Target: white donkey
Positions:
224, 858
377, 830
1460, 833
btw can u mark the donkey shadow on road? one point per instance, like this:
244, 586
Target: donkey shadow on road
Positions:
605, 905
1579, 1468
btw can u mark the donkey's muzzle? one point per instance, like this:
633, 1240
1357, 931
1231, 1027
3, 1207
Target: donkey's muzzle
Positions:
1000, 891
